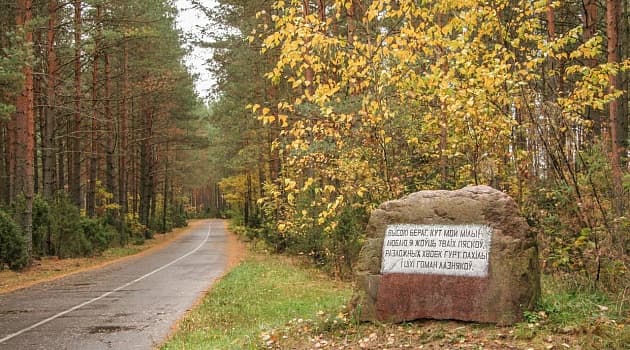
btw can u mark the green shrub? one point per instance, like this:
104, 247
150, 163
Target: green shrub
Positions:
13, 251
331, 247
179, 219
136, 231
157, 224
175, 217
60, 229
344, 242
42, 243
97, 233
68, 239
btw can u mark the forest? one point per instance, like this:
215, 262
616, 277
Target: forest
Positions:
322, 110
100, 126
327, 108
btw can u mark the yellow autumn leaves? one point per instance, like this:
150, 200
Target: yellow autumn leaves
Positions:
384, 98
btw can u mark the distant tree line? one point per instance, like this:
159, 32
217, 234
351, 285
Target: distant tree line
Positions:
99, 125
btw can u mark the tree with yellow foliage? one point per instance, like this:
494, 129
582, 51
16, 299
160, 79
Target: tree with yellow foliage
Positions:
392, 97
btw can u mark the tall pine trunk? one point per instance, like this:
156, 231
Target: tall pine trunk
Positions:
124, 144
12, 145
49, 124
24, 133
94, 141
165, 191
146, 168
74, 178
4, 167
110, 184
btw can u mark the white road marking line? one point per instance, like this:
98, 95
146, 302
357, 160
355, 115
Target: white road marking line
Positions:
74, 308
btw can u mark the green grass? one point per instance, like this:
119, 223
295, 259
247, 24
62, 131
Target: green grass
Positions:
597, 319
571, 305
256, 297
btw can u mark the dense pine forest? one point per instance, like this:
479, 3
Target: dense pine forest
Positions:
322, 109
327, 108
99, 126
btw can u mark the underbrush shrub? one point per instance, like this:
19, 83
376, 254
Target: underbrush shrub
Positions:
579, 232
60, 229
336, 250
235, 215
179, 219
13, 251
98, 233
268, 233
136, 231
309, 241
165, 223
331, 247
117, 227
346, 240
157, 225
68, 238
176, 217
42, 237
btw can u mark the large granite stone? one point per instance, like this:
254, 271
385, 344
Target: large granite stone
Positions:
492, 282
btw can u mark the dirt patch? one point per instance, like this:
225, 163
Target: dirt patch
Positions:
52, 268
235, 250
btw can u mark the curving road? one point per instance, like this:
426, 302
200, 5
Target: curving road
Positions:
127, 305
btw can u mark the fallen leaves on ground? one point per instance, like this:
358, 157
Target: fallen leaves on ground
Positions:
341, 333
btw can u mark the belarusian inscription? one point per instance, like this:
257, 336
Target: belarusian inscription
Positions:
453, 250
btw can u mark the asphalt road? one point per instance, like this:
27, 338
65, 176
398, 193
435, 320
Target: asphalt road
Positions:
127, 305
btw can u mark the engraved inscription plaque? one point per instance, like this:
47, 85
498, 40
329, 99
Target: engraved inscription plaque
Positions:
452, 250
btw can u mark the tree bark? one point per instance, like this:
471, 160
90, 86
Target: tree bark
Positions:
25, 132
618, 134
94, 149
590, 29
350, 18
443, 122
110, 183
49, 124
62, 146
12, 145
123, 148
551, 22
4, 167
308, 74
146, 168
321, 5
74, 178
165, 192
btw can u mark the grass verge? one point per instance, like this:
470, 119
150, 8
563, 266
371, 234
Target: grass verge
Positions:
263, 293
270, 302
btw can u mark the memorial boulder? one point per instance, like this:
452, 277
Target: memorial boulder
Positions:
464, 255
